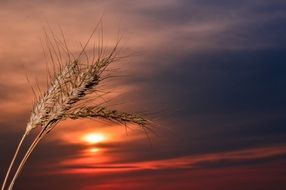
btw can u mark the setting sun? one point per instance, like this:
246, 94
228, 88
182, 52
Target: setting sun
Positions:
94, 138
93, 150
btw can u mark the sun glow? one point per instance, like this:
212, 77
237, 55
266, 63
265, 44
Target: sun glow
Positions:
94, 138
93, 150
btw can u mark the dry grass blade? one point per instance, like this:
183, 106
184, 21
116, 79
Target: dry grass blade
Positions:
69, 84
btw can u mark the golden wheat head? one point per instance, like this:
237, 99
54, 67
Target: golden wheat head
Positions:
70, 82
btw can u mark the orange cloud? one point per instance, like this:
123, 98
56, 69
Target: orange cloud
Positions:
101, 163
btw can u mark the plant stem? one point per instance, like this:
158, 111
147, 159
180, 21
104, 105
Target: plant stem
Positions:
13, 160
25, 158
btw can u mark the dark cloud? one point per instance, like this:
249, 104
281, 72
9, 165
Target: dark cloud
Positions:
235, 95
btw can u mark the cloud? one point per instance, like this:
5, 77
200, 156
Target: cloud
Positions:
193, 171
94, 165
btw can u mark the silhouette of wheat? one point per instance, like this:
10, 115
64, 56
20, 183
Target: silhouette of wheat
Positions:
70, 82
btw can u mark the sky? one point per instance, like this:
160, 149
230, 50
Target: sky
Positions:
209, 74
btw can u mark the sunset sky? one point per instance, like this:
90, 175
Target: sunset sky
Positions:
209, 74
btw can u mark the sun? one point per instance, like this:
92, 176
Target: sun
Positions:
93, 138
94, 150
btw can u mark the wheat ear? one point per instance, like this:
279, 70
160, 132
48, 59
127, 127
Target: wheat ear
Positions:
71, 83
98, 112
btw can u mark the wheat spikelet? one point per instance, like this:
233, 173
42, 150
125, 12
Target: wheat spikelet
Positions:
44, 109
71, 83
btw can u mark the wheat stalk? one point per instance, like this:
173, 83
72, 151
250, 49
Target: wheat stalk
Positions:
70, 84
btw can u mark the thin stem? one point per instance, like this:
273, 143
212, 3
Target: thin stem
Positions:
24, 160
13, 160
